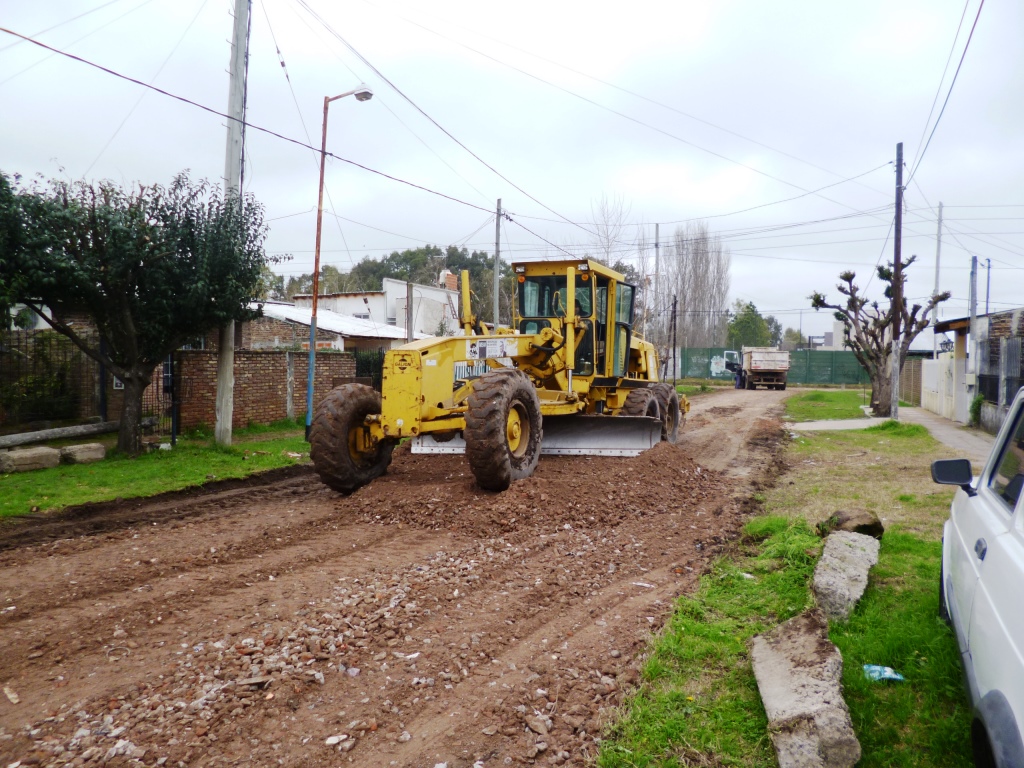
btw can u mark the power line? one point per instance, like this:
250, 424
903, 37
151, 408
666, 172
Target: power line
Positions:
419, 109
942, 79
624, 115
245, 123
73, 42
142, 95
62, 23
949, 92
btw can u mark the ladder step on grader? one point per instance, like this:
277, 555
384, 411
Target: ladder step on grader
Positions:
568, 378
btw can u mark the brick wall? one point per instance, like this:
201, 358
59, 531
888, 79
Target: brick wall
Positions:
263, 379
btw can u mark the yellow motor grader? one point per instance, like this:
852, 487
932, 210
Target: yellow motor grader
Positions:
569, 377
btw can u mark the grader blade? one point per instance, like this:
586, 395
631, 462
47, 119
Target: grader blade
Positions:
575, 436
599, 435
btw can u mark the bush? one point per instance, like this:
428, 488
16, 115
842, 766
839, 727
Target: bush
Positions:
976, 410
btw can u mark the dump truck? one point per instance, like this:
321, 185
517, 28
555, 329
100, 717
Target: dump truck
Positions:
569, 377
768, 366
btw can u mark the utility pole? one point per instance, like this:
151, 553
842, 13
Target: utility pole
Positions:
497, 262
657, 283
938, 253
410, 333
973, 352
225, 405
988, 282
897, 286
675, 362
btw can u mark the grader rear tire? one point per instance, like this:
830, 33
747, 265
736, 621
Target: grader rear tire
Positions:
335, 439
668, 405
503, 429
642, 402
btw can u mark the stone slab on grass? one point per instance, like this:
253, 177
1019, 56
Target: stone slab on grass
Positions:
85, 453
798, 673
842, 572
27, 459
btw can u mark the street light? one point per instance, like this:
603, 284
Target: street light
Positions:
362, 94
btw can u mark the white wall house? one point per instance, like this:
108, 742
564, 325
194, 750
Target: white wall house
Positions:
434, 309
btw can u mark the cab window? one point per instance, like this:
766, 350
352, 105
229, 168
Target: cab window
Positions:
544, 296
1007, 479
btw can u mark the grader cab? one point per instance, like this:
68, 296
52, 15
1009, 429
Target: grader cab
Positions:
569, 377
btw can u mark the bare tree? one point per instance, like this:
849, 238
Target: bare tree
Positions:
611, 225
871, 327
696, 273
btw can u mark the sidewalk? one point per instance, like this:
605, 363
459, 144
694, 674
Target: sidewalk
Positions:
964, 443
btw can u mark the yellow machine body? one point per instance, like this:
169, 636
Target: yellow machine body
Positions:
572, 335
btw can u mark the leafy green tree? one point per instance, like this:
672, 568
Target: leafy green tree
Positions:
774, 330
152, 267
747, 328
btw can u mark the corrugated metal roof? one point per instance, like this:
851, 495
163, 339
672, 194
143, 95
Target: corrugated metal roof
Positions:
332, 322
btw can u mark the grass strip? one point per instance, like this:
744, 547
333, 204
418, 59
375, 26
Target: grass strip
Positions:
191, 463
821, 405
698, 703
924, 721
698, 697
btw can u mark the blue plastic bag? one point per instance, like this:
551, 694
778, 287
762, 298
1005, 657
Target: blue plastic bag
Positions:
875, 672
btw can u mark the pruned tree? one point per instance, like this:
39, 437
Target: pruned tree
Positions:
870, 327
151, 268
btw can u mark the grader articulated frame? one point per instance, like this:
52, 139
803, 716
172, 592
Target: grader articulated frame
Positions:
569, 377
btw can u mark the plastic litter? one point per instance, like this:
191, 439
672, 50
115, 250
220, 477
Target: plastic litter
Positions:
875, 673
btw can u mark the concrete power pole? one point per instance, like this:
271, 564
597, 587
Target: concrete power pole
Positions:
938, 254
232, 185
657, 284
897, 286
497, 263
973, 352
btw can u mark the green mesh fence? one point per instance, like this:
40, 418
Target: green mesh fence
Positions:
805, 366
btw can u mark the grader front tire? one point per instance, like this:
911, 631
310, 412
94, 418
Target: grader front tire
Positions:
668, 404
337, 445
642, 402
503, 429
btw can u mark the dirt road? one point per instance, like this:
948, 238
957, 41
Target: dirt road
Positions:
418, 621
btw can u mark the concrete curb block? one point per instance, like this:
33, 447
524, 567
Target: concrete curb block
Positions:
799, 675
842, 572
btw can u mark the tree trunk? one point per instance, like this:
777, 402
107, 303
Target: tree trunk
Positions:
881, 393
129, 434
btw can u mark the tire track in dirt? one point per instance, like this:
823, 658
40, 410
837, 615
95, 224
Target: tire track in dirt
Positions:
485, 628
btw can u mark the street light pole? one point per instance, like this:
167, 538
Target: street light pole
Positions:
361, 94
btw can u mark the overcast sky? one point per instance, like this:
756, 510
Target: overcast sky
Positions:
683, 110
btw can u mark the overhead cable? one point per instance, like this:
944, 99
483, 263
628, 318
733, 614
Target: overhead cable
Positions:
419, 109
245, 123
949, 93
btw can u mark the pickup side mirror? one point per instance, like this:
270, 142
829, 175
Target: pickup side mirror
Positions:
954, 472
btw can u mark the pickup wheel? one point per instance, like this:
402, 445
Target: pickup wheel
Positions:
338, 439
943, 608
668, 405
503, 429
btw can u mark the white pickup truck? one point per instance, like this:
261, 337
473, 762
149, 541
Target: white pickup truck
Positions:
980, 590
